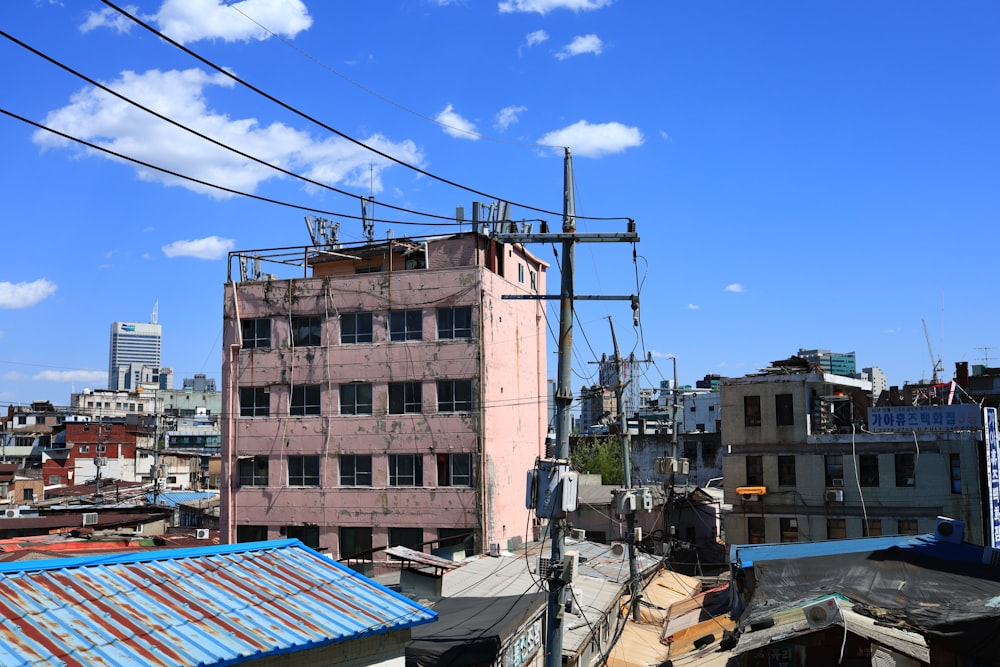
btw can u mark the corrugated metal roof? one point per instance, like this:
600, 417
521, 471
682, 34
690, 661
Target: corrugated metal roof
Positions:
744, 555
215, 605
175, 498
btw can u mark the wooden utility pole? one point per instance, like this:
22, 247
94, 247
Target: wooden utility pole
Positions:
553, 483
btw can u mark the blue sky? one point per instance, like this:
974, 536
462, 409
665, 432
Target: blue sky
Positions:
818, 175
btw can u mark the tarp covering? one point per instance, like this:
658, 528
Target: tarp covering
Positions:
954, 602
470, 630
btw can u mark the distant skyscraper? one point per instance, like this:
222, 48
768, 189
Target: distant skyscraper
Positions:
132, 344
837, 363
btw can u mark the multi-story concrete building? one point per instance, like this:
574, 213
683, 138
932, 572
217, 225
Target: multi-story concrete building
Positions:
388, 396
836, 363
806, 462
135, 345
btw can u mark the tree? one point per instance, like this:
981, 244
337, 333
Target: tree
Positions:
599, 455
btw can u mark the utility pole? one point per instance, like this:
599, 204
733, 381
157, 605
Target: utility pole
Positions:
552, 485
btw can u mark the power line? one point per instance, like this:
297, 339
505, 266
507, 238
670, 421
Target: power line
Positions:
340, 134
379, 96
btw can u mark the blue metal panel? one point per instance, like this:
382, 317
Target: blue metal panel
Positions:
206, 605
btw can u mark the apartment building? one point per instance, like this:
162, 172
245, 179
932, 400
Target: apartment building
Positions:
390, 395
808, 458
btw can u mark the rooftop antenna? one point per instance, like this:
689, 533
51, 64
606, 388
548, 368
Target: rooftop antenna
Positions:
156, 308
323, 232
367, 218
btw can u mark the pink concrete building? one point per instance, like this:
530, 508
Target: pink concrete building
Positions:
389, 396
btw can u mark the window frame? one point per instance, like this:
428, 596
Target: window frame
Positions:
833, 469
905, 462
446, 469
784, 410
400, 474
405, 398
751, 410
307, 470
356, 531
955, 468
352, 472
259, 406
448, 325
451, 404
788, 529
349, 401
356, 333
754, 469
786, 470
305, 400
259, 473
836, 528
258, 340
405, 325
306, 330
409, 532
868, 470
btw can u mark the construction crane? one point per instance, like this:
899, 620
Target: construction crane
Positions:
935, 365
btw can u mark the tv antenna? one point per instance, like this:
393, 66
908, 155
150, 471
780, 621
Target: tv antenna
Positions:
368, 218
323, 232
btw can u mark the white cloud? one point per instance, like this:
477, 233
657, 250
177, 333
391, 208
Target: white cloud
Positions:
693, 306
110, 18
546, 6
191, 20
455, 125
661, 355
25, 295
104, 120
580, 45
82, 376
508, 116
736, 288
210, 247
594, 140
666, 137
537, 37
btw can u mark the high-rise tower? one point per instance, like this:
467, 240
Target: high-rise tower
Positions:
134, 345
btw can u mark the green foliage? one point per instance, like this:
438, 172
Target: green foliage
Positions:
600, 455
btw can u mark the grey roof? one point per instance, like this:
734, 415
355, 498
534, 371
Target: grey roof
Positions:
601, 580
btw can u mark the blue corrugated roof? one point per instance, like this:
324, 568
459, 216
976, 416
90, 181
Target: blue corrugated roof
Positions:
174, 498
213, 605
744, 555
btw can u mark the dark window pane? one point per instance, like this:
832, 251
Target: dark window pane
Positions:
356, 328
305, 400
306, 330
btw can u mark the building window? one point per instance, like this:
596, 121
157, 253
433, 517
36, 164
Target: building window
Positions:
789, 529
356, 399
308, 535
251, 533
406, 325
253, 471
784, 414
28, 495
303, 470
356, 543
454, 469
306, 330
904, 470
454, 322
907, 526
836, 529
255, 402
755, 530
305, 400
786, 471
411, 538
256, 333
84, 449
873, 527
520, 273
834, 470
751, 410
356, 328
454, 395
406, 470
868, 469
955, 462
405, 397
755, 471
533, 280
355, 470
462, 536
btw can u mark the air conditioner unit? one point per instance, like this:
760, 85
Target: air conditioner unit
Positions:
578, 534
11, 514
495, 549
949, 530
837, 481
201, 534
823, 613
834, 495
89, 518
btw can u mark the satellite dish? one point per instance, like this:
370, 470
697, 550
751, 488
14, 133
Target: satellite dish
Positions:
823, 613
